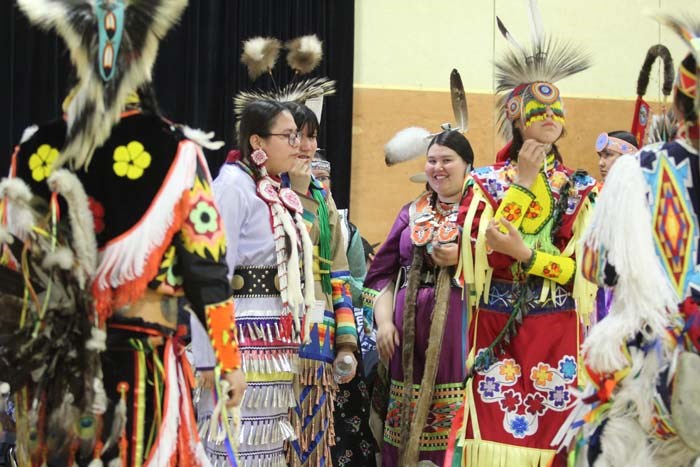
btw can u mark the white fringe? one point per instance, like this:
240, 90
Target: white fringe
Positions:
309, 283
295, 297
166, 446
643, 297
124, 259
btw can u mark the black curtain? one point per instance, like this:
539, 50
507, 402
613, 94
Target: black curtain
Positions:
197, 73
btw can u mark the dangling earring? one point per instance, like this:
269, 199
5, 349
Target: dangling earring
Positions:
259, 157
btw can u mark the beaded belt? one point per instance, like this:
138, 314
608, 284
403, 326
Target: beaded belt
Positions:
428, 277
255, 282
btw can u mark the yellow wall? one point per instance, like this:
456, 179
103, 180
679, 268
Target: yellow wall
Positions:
405, 50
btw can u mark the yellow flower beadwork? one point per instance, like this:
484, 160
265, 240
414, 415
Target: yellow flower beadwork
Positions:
41, 162
131, 160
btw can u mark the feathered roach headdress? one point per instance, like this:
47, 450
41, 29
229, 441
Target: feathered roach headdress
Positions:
412, 142
525, 77
113, 45
686, 80
304, 54
662, 125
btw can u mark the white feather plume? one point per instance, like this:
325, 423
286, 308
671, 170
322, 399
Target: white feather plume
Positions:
408, 144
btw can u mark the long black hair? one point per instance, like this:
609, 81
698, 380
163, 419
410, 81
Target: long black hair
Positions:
304, 117
256, 119
456, 141
625, 136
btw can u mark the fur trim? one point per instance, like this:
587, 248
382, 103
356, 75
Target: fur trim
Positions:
260, 55
62, 258
408, 144
84, 243
305, 53
6, 237
16, 190
20, 217
643, 295
203, 139
98, 341
432, 359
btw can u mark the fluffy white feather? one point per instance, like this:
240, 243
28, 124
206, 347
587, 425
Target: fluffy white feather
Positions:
61, 258
621, 225
409, 143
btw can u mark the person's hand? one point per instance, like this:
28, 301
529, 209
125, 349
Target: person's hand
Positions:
387, 340
237, 385
510, 243
445, 254
530, 159
300, 175
206, 379
339, 357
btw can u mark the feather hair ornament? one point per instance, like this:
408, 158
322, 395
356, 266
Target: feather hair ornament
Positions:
260, 55
544, 60
408, 144
304, 53
113, 45
412, 142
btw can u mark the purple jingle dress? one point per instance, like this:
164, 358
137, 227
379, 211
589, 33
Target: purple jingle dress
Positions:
390, 265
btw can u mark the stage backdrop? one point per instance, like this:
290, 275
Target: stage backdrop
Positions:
197, 73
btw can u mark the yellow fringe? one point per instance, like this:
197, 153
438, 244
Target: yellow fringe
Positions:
584, 292
474, 268
479, 453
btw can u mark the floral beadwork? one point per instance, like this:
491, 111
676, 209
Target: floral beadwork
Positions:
41, 162
131, 161
552, 270
202, 231
512, 212
521, 410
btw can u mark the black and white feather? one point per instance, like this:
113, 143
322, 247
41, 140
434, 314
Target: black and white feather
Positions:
544, 59
299, 92
98, 104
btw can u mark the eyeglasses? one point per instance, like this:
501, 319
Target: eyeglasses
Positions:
292, 138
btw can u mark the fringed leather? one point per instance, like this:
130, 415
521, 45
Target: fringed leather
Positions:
312, 419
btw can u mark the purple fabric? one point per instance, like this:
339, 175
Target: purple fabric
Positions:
397, 251
603, 300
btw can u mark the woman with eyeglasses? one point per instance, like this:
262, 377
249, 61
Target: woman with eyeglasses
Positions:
270, 253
